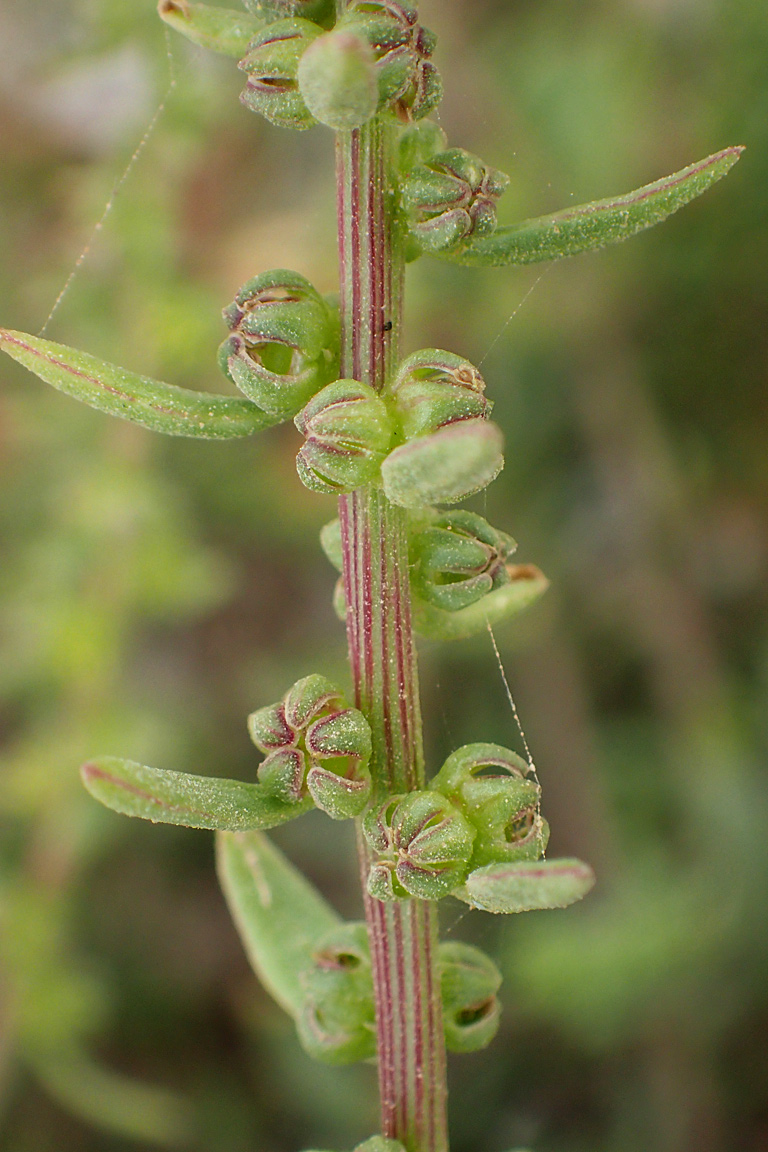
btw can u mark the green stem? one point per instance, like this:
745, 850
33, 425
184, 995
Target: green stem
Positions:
403, 936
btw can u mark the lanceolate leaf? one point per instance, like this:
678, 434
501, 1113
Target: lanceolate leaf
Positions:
160, 407
527, 584
527, 885
279, 915
597, 224
220, 29
178, 798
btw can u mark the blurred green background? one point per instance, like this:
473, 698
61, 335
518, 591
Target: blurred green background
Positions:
153, 592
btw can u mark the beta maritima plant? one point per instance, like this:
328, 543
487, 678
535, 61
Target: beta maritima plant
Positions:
400, 441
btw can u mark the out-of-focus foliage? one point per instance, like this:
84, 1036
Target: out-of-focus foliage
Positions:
154, 592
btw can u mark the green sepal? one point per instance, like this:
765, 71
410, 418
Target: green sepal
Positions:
272, 67
527, 584
220, 29
159, 407
280, 916
527, 885
166, 797
469, 981
597, 224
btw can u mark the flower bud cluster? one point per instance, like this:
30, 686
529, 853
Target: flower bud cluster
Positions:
490, 786
337, 1020
408, 81
284, 342
457, 559
451, 449
314, 744
450, 198
422, 844
348, 433
337, 1023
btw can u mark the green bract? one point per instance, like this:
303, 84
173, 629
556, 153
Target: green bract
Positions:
284, 342
272, 66
315, 745
451, 198
597, 224
337, 80
453, 463
179, 798
527, 886
526, 584
348, 432
160, 407
219, 29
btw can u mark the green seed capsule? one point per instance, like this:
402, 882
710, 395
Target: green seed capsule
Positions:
503, 806
348, 432
451, 198
423, 845
272, 66
408, 82
469, 981
284, 342
316, 746
337, 1023
337, 79
458, 559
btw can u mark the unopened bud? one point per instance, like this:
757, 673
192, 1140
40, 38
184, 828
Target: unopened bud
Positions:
458, 460
469, 981
315, 746
337, 79
408, 82
433, 388
458, 559
348, 432
284, 342
450, 198
272, 66
423, 844
502, 804
337, 1023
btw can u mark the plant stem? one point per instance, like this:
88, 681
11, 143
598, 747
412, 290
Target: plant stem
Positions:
403, 935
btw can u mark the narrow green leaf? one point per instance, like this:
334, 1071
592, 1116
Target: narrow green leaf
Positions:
528, 583
220, 29
178, 798
280, 916
597, 224
160, 407
527, 885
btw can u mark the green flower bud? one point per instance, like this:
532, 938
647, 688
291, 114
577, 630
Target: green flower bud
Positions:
458, 559
408, 82
315, 746
337, 1023
337, 79
423, 845
450, 198
433, 388
284, 342
454, 462
469, 981
348, 432
272, 66
503, 806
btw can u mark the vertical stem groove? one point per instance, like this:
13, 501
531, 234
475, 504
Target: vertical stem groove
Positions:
403, 935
